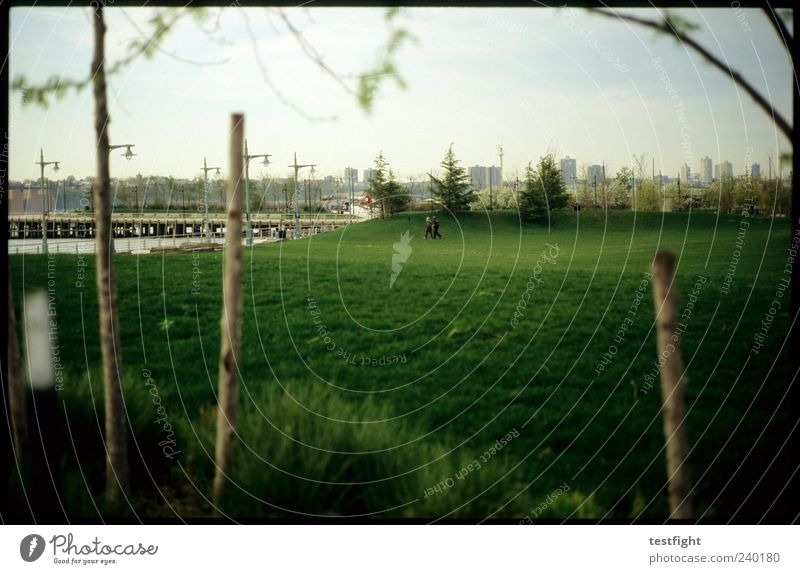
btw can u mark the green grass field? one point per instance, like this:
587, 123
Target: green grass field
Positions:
358, 398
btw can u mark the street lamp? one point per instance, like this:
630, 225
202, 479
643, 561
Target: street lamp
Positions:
42, 165
297, 230
128, 153
247, 157
206, 169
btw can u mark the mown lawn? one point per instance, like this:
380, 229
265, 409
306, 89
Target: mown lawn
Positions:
363, 399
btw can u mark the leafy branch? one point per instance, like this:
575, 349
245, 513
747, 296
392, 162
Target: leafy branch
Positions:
146, 46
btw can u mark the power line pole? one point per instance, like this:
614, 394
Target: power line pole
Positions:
297, 229
500, 152
605, 198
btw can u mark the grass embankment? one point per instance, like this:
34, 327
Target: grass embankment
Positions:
358, 397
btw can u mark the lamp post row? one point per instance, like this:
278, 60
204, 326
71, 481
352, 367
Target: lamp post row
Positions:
42, 164
246, 157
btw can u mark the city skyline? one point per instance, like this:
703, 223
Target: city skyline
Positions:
534, 81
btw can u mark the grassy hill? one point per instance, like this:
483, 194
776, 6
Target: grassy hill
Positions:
366, 397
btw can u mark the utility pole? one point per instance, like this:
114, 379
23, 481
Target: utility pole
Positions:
297, 229
500, 151
490, 189
206, 227
605, 198
247, 157
594, 187
42, 165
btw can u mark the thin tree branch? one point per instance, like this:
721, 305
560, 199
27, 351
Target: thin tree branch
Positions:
312, 52
667, 27
169, 54
780, 28
267, 80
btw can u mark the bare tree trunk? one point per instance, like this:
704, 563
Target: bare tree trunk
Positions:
16, 391
230, 343
115, 420
673, 385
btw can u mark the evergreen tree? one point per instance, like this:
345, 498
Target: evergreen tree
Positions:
454, 191
396, 196
378, 184
532, 204
544, 183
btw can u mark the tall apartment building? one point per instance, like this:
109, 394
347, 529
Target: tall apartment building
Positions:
350, 173
755, 171
483, 177
569, 170
369, 173
723, 170
686, 174
595, 171
706, 170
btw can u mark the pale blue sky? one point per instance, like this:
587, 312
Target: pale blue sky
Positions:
530, 79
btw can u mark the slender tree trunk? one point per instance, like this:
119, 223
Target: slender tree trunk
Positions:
673, 385
115, 420
16, 391
230, 341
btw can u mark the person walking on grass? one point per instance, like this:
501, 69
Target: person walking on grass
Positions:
428, 228
436, 228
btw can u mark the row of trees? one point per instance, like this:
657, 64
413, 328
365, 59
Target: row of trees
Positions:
628, 191
543, 189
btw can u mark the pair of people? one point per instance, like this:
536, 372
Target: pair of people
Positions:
432, 228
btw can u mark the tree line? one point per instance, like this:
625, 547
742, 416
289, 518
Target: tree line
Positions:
543, 189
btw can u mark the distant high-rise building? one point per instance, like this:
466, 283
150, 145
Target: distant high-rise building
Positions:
494, 176
706, 173
723, 170
483, 177
369, 173
686, 173
479, 176
595, 171
569, 170
350, 173
755, 171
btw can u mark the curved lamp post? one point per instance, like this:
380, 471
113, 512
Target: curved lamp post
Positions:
297, 229
206, 227
42, 165
247, 157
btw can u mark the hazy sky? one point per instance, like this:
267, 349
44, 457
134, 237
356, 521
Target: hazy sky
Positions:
530, 79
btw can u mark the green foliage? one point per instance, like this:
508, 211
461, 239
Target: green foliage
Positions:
385, 67
453, 191
396, 197
532, 203
160, 24
543, 184
622, 188
494, 199
648, 197
308, 450
387, 194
